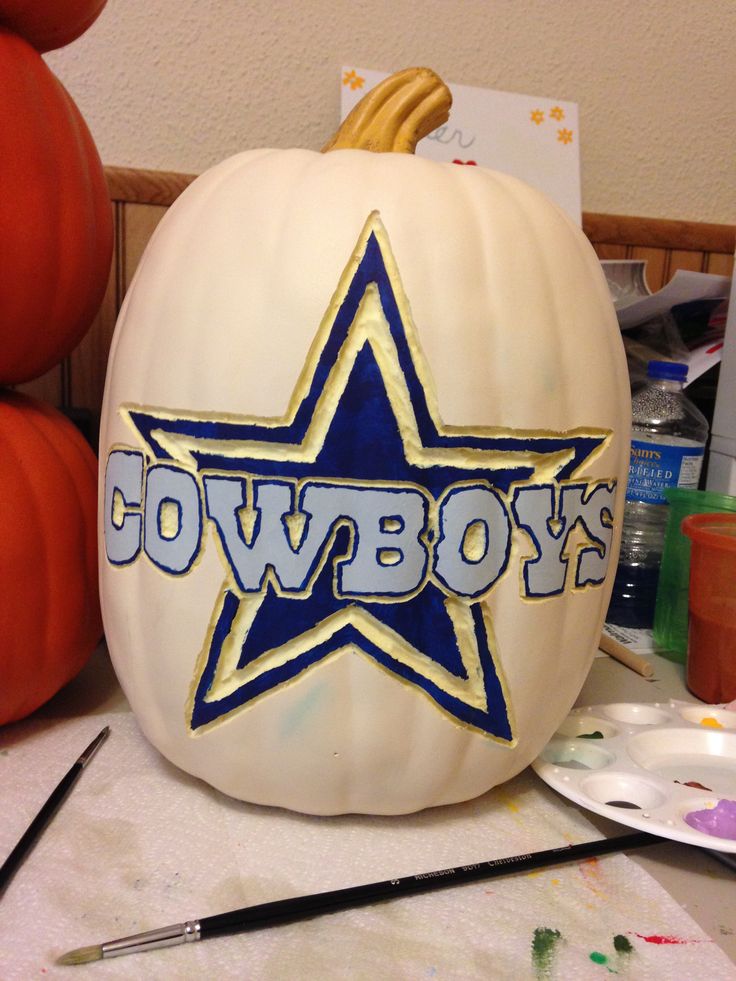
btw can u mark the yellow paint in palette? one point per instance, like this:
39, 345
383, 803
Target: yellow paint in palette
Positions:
711, 722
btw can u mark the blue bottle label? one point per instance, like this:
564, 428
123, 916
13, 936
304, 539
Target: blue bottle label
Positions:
656, 466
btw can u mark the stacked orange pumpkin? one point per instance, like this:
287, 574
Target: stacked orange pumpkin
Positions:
56, 246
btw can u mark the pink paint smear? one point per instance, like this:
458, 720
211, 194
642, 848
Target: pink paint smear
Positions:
656, 939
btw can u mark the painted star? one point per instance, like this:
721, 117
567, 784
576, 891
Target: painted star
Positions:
362, 414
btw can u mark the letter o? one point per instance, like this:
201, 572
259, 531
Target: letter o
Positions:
168, 488
459, 509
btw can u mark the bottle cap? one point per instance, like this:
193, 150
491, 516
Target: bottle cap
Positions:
673, 370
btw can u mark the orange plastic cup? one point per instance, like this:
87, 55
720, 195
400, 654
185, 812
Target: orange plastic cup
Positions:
711, 638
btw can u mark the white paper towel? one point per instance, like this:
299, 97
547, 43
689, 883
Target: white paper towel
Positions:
139, 844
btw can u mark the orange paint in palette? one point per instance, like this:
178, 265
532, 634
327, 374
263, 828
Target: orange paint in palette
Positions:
711, 722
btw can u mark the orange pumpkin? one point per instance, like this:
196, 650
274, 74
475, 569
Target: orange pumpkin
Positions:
49, 603
49, 24
55, 217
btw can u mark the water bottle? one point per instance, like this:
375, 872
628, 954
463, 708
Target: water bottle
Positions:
667, 447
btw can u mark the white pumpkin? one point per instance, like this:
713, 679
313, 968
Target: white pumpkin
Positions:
364, 445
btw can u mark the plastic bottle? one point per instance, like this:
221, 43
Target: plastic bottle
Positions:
667, 447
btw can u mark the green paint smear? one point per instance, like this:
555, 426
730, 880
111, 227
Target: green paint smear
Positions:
598, 958
543, 945
591, 735
622, 945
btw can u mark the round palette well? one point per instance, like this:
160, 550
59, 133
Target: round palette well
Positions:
648, 766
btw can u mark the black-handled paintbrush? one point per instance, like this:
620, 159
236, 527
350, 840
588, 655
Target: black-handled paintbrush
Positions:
35, 828
305, 907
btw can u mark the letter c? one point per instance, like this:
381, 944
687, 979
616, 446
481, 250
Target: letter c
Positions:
122, 518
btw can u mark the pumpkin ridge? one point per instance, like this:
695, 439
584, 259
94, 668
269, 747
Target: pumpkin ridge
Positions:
59, 219
61, 624
83, 476
37, 642
56, 592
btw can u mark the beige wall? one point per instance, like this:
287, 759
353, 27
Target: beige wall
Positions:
180, 84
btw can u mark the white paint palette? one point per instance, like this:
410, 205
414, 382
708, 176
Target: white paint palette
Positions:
647, 765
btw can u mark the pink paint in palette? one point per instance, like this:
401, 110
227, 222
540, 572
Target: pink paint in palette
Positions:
668, 768
719, 821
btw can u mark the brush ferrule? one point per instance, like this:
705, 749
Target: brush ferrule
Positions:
170, 936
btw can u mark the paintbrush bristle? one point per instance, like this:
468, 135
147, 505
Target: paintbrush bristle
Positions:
82, 955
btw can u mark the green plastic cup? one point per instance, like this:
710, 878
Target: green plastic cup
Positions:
670, 613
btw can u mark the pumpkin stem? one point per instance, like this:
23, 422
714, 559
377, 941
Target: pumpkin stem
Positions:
395, 115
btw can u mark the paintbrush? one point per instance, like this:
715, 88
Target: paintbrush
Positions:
305, 907
57, 797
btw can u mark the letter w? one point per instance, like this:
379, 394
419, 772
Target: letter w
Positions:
269, 543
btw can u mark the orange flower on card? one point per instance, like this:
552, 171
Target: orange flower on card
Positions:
353, 79
537, 116
564, 135
557, 112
